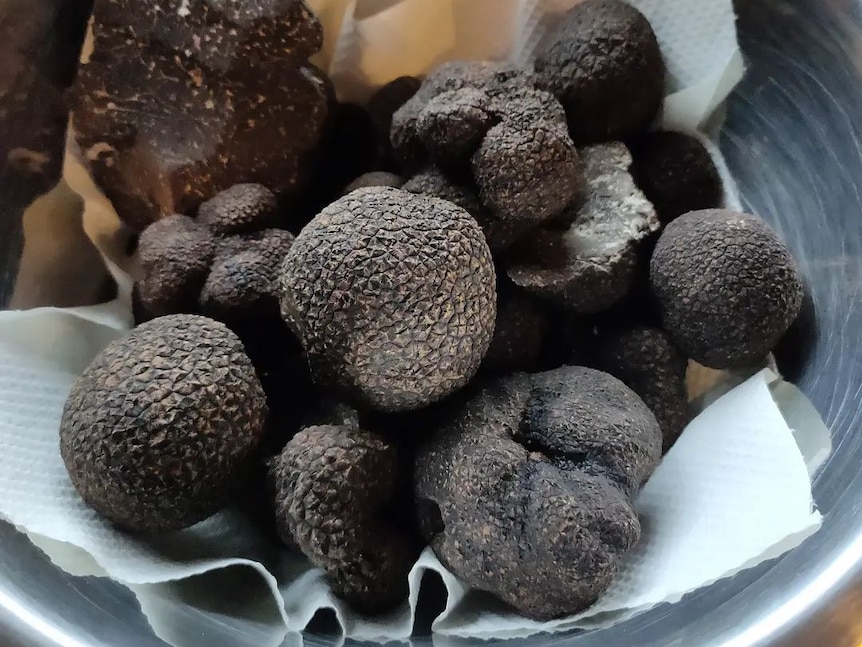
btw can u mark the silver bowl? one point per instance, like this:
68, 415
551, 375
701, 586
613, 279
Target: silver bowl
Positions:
792, 141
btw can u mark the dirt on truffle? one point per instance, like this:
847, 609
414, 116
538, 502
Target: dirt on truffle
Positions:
526, 491
161, 427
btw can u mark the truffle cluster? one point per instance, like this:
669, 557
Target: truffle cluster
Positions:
490, 330
224, 263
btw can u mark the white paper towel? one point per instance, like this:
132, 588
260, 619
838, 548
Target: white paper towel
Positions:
734, 490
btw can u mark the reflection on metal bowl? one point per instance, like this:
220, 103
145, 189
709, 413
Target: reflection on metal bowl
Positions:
793, 141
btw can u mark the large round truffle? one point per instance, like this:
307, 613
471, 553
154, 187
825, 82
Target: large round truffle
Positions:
333, 485
604, 64
158, 430
175, 255
727, 286
676, 173
392, 296
526, 491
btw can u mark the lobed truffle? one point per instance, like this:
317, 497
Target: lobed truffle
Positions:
526, 491
590, 264
392, 295
648, 362
332, 487
676, 173
604, 64
159, 429
244, 277
727, 286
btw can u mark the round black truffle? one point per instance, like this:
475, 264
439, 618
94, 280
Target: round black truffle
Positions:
676, 173
604, 64
727, 286
241, 209
332, 487
175, 254
648, 362
526, 491
392, 296
158, 431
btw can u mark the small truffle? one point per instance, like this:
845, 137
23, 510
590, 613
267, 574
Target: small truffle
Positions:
375, 178
676, 173
527, 491
333, 485
241, 209
647, 361
590, 265
604, 64
727, 286
243, 282
386, 101
392, 296
158, 431
175, 255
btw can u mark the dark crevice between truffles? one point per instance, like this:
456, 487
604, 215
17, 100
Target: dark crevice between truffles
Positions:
727, 285
591, 264
383, 104
526, 490
676, 173
604, 64
333, 485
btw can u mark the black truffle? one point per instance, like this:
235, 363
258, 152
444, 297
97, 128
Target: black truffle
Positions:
333, 484
676, 173
375, 178
177, 104
243, 282
175, 254
604, 64
526, 491
159, 429
489, 120
241, 209
392, 296
386, 101
648, 362
591, 264
727, 286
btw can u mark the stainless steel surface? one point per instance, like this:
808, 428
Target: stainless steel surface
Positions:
792, 140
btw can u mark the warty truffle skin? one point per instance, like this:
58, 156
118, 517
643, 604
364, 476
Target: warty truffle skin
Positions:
333, 484
676, 173
604, 64
244, 278
526, 491
727, 286
241, 209
175, 255
392, 296
649, 363
158, 430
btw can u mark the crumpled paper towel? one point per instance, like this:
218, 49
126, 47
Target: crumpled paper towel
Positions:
733, 491
371, 42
